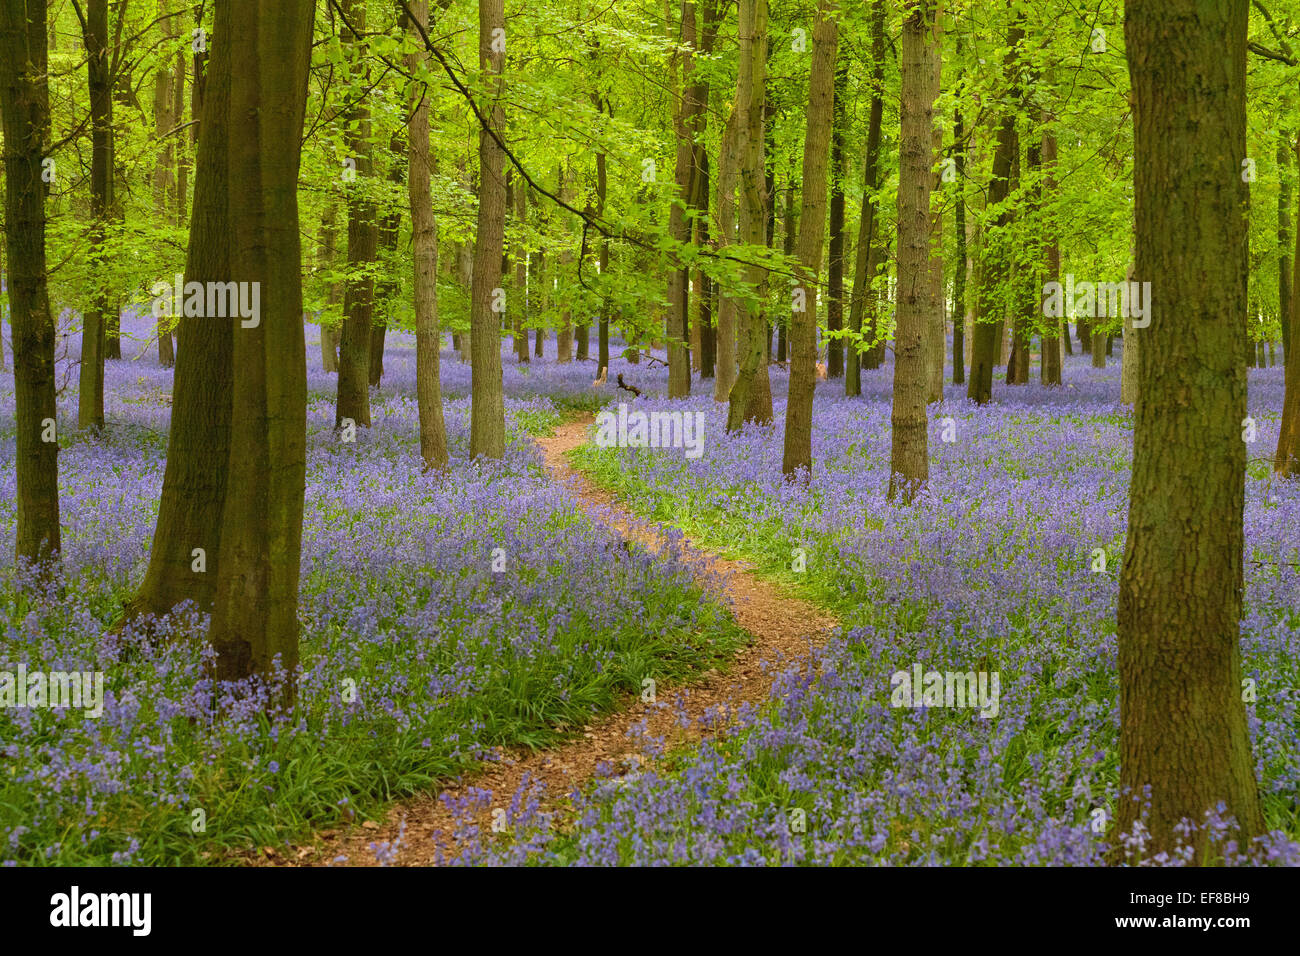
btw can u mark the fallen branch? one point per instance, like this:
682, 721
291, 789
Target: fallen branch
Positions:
628, 388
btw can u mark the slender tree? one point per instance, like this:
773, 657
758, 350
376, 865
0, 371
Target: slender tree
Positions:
750, 399
363, 236
812, 228
99, 71
863, 272
424, 253
487, 404
909, 454
25, 113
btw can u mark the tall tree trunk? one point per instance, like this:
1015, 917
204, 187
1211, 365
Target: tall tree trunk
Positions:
686, 124
254, 626
363, 241
390, 227
165, 120
329, 336
812, 228
991, 309
935, 320
728, 305
788, 242
750, 399
1050, 359
1284, 170
961, 265
25, 113
1026, 300
704, 318
602, 326
184, 558
1286, 462
487, 405
835, 262
519, 301
1129, 360
1183, 725
1098, 349
90, 394
909, 453
862, 273
424, 253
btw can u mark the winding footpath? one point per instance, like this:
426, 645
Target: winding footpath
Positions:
784, 631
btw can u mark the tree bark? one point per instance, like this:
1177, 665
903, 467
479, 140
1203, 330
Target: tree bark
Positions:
835, 260
991, 307
1284, 170
25, 113
165, 120
750, 399
254, 626
962, 264
94, 343
185, 557
862, 273
812, 228
1050, 360
909, 452
329, 336
424, 253
728, 305
936, 319
363, 242
1286, 462
487, 404
1183, 725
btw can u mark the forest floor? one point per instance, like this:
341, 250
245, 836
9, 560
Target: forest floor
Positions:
784, 631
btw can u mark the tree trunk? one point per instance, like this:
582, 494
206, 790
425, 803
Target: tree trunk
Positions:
1050, 360
1129, 361
812, 227
1284, 169
487, 405
25, 113
424, 253
1183, 725
935, 320
909, 453
519, 303
750, 399
962, 264
1027, 299
862, 273
686, 125
165, 120
184, 559
991, 308
1286, 462
728, 307
329, 336
254, 626
390, 227
1098, 350
704, 317
90, 393
835, 261
363, 241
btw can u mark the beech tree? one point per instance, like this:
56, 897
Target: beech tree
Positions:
812, 228
909, 452
1184, 745
25, 113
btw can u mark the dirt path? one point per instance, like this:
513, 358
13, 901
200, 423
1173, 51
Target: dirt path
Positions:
783, 627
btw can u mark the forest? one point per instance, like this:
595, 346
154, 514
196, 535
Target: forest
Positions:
650, 432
